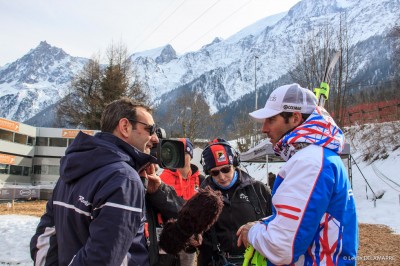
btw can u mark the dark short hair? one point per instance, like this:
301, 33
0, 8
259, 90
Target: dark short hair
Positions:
121, 108
287, 115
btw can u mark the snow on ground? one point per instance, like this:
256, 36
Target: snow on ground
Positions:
381, 175
16, 231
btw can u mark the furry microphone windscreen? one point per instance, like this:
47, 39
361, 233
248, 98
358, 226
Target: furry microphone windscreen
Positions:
197, 215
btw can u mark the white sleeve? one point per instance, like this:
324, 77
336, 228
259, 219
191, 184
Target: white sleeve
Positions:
286, 234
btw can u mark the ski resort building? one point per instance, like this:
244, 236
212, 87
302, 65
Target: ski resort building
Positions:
30, 158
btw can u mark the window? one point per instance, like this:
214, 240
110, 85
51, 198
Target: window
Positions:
26, 171
46, 170
4, 168
6, 135
42, 141
58, 142
15, 170
19, 138
70, 141
54, 170
31, 141
37, 169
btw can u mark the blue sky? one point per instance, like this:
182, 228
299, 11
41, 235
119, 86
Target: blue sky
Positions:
84, 28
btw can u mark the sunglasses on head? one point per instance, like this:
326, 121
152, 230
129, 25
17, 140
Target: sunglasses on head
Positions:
150, 128
224, 170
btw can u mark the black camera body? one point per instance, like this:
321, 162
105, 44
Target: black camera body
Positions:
170, 153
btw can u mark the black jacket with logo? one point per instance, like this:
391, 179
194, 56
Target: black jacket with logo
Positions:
246, 201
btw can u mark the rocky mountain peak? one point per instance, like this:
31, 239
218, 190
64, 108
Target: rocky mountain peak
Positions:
167, 54
35, 66
44, 53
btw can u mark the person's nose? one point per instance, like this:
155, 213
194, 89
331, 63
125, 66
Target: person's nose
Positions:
220, 176
154, 139
265, 129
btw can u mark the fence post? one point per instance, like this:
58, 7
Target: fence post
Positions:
349, 117
13, 199
397, 111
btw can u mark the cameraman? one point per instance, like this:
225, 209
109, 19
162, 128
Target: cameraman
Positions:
163, 201
186, 182
96, 214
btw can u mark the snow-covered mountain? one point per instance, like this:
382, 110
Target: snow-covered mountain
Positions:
229, 65
35, 81
223, 70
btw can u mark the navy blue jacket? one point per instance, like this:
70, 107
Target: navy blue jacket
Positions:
97, 212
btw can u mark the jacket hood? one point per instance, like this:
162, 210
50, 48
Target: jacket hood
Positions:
319, 129
87, 153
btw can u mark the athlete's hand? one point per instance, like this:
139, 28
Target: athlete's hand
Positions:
242, 233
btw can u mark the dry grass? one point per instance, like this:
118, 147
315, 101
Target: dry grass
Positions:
378, 245
33, 208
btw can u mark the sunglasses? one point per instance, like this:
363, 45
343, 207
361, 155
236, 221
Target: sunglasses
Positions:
150, 128
223, 170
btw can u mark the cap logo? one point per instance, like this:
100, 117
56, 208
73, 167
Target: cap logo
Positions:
220, 156
290, 107
272, 98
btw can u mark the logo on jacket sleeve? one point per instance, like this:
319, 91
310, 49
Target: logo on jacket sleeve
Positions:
350, 193
244, 197
82, 199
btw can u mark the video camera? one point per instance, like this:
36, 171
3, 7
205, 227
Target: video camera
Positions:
170, 153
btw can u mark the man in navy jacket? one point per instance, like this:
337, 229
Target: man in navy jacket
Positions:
97, 212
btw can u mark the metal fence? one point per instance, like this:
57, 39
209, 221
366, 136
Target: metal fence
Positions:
26, 193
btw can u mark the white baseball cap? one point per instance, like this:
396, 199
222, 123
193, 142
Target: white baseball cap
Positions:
287, 98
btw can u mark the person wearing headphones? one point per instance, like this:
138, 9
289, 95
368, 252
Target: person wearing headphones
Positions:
245, 200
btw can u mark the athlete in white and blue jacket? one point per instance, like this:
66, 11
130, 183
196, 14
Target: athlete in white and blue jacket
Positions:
314, 218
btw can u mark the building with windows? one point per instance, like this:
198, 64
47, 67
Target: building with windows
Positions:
30, 156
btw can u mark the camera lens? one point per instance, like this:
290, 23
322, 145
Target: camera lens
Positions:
169, 154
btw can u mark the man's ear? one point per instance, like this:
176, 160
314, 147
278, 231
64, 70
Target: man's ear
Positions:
123, 128
297, 118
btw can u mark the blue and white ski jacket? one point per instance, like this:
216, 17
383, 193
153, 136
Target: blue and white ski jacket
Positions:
314, 218
97, 212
